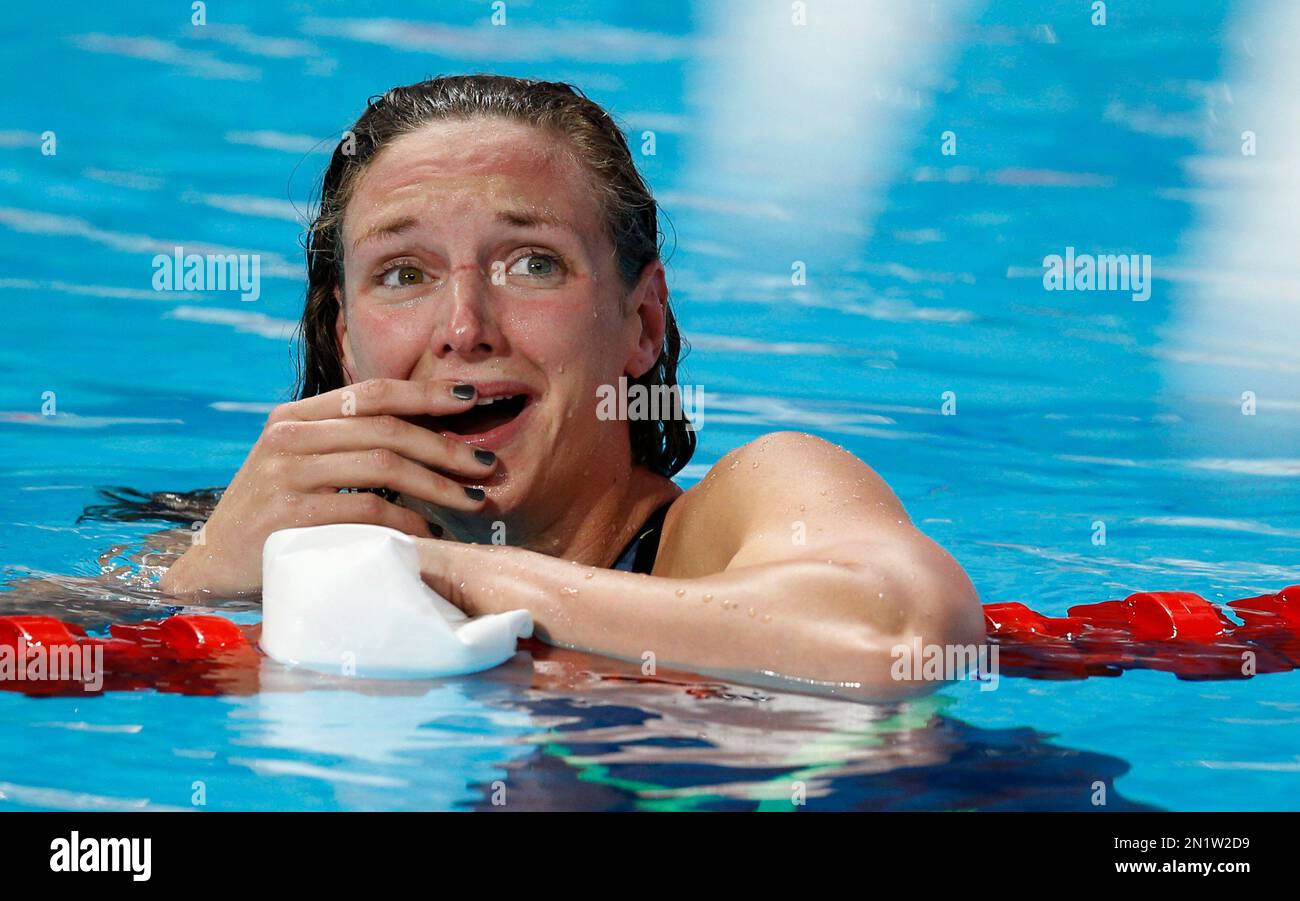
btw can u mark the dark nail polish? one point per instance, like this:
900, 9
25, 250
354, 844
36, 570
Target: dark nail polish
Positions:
487, 458
464, 392
475, 494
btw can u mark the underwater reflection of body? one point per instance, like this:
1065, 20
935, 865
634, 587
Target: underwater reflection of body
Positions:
621, 741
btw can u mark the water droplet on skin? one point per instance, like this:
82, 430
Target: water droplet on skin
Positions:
560, 369
755, 464
681, 592
570, 591
767, 618
707, 598
802, 508
588, 575
751, 612
462, 586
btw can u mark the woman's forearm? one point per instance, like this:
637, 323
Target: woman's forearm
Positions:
812, 620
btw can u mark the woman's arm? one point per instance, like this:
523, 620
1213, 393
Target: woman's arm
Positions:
352, 437
810, 570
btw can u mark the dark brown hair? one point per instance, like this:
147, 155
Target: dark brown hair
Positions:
631, 215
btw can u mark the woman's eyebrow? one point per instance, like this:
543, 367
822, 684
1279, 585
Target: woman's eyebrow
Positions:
518, 218
532, 219
387, 229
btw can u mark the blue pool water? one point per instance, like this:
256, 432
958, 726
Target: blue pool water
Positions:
775, 143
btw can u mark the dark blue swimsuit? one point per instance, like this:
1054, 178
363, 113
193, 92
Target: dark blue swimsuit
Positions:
640, 553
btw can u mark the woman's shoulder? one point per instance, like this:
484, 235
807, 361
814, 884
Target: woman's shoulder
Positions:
765, 485
788, 446
789, 465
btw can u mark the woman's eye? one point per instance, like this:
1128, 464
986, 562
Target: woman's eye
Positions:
536, 265
403, 276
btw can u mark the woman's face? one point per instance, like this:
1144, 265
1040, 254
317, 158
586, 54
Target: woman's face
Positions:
476, 251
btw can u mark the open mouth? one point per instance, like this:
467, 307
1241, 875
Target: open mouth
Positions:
486, 416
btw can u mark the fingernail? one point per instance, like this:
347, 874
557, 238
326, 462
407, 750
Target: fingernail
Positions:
475, 494
487, 458
463, 392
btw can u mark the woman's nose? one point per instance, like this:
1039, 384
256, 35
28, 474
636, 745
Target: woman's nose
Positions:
467, 329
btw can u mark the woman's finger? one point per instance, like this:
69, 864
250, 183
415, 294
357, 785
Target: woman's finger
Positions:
373, 397
383, 468
329, 436
327, 509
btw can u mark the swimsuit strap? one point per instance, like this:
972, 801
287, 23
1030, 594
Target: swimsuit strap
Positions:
640, 553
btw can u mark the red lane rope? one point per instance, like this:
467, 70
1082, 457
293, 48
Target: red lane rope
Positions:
1174, 631
187, 654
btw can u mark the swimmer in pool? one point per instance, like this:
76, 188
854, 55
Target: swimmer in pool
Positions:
484, 267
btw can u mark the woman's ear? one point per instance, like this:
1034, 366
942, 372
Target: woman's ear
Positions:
341, 337
649, 302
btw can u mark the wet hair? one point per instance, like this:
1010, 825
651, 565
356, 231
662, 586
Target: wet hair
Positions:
630, 211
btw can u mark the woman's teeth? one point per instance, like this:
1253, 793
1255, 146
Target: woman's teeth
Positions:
487, 414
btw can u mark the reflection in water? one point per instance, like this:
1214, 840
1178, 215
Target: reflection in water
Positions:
805, 131
619, 741
380, 745
563, 730
1237, 300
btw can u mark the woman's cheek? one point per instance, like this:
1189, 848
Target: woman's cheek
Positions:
386, 342
567, 330
544, 335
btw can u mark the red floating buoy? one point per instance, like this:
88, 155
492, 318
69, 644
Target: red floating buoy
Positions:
1170, 615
